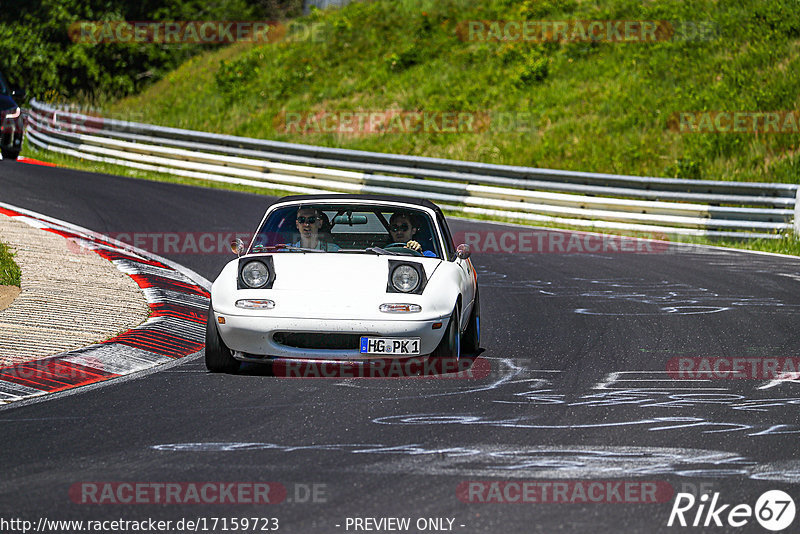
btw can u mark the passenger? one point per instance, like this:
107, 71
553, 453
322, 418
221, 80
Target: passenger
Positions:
403, 229
309, 222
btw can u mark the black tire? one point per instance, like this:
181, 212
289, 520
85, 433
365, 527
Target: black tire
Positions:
450, 345
471, 341
219, 358
10, 155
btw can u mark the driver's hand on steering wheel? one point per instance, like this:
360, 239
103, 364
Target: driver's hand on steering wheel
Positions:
413, 245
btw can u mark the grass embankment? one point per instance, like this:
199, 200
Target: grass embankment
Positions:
598, 107
10, 273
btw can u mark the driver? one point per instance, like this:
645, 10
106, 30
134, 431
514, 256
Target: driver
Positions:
309, 222
402, 228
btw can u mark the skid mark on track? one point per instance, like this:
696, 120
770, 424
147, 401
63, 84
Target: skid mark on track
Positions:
508, 371
506, 460
638, 296
652, 402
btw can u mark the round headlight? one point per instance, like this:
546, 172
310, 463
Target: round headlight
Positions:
255, 274
405, 278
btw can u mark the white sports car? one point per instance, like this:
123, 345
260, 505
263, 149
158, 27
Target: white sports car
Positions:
344, 278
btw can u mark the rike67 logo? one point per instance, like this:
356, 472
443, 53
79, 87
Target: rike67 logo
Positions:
774, 510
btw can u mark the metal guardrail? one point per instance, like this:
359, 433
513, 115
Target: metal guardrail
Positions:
602, 201
322, 4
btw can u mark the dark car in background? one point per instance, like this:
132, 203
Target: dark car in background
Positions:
11, 122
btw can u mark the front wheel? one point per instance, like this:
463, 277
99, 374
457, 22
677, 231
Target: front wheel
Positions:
472, 335
10, 155
219, 358
450, 345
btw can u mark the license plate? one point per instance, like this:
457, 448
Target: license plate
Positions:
390, 345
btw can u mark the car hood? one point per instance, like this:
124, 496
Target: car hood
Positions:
329, 286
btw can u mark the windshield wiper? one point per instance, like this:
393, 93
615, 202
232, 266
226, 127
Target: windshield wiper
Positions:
377, 250
273, 248
382, 251
372, 250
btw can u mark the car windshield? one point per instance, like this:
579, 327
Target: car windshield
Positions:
346, 228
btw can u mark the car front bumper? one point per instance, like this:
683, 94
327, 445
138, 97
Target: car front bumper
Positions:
253, 338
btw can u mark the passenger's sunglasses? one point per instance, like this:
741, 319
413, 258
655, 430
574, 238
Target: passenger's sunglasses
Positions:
310, 220
399, 227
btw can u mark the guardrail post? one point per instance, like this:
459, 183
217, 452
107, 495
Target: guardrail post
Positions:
797, 213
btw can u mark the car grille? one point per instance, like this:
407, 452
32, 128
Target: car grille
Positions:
309, 340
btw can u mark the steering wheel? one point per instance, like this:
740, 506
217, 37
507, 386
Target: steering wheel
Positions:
401, 247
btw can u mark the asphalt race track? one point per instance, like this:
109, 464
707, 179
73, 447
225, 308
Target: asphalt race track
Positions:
579, 346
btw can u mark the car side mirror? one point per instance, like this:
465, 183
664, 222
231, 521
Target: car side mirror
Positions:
18, 94
463, 251
237, 246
